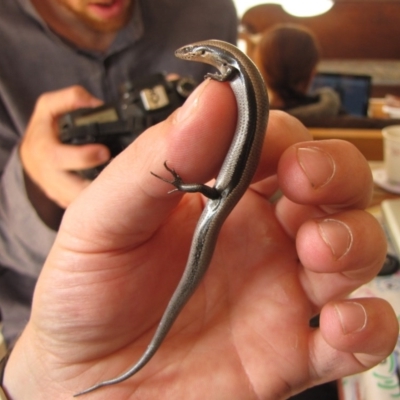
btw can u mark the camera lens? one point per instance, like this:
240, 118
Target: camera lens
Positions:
185, 86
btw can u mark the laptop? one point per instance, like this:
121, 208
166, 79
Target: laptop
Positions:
354, 90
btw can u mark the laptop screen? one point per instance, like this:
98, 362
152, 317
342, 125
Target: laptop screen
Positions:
354, 90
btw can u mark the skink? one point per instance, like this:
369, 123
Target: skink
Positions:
231, 183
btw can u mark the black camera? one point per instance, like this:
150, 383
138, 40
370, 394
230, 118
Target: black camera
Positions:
143, 103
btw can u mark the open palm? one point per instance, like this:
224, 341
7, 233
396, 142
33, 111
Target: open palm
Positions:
245, 333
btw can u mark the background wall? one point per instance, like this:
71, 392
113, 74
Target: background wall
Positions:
356, 36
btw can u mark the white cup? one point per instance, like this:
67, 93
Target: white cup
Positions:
391, 150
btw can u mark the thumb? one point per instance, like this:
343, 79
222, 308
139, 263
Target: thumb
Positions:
126, 201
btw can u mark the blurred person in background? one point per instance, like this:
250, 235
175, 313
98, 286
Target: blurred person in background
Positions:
288, 55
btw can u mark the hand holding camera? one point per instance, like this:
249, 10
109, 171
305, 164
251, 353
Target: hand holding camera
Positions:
47, 163
143, 103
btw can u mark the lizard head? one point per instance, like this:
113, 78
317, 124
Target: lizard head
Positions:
208, 52
194, 52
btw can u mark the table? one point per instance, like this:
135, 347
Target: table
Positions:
368, 141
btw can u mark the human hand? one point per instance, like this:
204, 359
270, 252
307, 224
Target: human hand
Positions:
245, 333
46, 160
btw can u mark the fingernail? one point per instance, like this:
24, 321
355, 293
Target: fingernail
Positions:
337, 235
317, 164
191, 103
352, 316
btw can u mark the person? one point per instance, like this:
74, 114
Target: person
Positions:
288, 55
245, 333
48, 48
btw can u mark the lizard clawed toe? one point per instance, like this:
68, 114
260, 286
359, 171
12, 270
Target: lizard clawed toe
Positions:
177, 181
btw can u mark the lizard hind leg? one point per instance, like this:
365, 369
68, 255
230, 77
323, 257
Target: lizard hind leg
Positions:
180, 185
